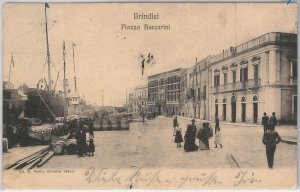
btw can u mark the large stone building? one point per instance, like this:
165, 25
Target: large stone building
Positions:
163, 91
237, 85
255, 77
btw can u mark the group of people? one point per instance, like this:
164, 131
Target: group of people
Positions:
203, 134
85, 147
270, 137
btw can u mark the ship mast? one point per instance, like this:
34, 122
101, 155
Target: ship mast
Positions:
48, 52
74, 45
65, 84
12, 63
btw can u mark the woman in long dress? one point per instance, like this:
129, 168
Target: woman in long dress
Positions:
190, 138
203, 136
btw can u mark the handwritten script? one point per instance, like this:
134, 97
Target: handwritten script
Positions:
137, 175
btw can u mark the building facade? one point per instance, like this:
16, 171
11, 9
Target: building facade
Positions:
164, 92
255, 77
140, 99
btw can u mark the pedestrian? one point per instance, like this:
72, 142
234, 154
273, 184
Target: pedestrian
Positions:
270, 139
217, 124
190, 137
91, 128
178, 137
265, 121
273, 121
79, 142
175, 123
203, 136
218, 138
85, 146
91, 148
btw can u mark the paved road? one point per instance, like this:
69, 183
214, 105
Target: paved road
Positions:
152, 145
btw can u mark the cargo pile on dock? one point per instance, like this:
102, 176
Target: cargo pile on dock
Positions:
112, 123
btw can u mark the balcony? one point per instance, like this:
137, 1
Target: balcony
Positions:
238, 86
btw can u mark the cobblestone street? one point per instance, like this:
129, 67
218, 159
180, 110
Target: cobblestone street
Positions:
152, 145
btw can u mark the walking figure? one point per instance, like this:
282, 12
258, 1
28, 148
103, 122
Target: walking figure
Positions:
270, 139
91, 149
218, 138
190, 137
265, 121
175, 123
203, 136
178, 137
273, 121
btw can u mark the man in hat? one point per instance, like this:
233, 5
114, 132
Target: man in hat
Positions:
273, 121
265, 121
270, 139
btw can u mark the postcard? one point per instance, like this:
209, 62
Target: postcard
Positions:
149, 95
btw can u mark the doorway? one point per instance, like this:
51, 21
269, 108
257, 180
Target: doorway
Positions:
255, 109
243, 109
224, 109
216, 108
233, 109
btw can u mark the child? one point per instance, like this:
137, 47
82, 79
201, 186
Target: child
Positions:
218, 138
91, 147
178, 136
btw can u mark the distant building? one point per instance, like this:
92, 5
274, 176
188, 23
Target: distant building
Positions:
140, 99
164, 92
130, 104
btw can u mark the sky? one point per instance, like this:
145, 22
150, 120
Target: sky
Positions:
106, 57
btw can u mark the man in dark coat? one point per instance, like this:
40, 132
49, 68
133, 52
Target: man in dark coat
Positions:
273, 121
270, 139
80, 142
265, 121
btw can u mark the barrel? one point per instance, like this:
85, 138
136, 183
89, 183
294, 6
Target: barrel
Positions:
124, 123
97, 124
5, 145
114, 123
105, 124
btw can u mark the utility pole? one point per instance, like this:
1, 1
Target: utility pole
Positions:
48, 52
74, 45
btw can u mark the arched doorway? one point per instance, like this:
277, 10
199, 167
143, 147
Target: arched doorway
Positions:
243, 103
216, 108
224, 109
255, 108
233, 108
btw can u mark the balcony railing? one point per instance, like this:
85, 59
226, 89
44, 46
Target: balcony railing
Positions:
266, 38
242, 85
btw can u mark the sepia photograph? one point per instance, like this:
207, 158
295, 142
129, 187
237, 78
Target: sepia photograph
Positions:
149, 95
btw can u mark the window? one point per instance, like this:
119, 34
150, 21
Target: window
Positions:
225, 78
294, 69
216, 80
233, 76
244, 74
204, 92
199, 93
255, 71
